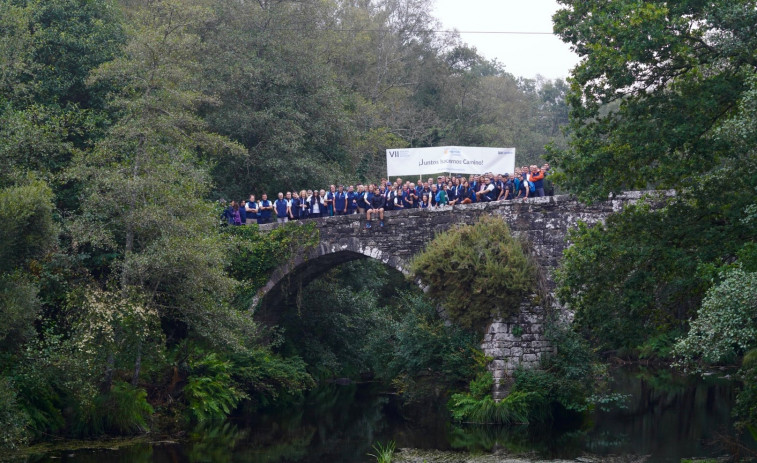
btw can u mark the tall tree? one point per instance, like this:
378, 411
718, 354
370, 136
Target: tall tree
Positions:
144, 183
661, 99
656, 82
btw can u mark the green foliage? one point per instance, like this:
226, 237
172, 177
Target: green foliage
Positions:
19, 307
478, 406
268, 378
673, 74
211, 392
26, 223
659, 346
13, 419
56, 384
476, 272
656, 264
52, 45
253, 256
567, 380
362, 320
428, 356
745, 410
384, 453
121, 410
570, 375
726, 323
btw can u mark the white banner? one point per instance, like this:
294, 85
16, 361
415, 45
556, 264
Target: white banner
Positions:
454, 159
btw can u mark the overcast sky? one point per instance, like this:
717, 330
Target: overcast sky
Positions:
522, 55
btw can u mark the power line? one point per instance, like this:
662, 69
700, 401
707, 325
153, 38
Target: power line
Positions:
420, 32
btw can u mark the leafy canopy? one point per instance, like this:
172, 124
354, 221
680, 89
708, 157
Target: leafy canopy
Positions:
657, 81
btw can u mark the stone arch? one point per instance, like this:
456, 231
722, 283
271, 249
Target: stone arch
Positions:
307, 264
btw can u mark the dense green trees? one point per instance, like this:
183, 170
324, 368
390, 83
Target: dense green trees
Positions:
676, 73
317, 91
664, 98
122, 121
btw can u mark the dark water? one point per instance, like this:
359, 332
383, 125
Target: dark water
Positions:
665, 417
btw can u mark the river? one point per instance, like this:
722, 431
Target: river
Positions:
666, 418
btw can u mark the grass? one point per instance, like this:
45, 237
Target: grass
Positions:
384, 453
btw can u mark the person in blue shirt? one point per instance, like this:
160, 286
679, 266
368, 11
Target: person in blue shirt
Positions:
351, 200
265, 210
227, 216
281, 206
424, 204
474, 183
451, 193
407, 198
328, 200
362, 206
242, 212
251, 209
294, 205
340, 201
304, 205
389, 197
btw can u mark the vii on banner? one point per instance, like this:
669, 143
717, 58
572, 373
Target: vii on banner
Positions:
456, 159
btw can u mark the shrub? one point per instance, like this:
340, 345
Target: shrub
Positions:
122, 410
745, 410
726, 323
211, 392
479, 407
476, 272
13, 419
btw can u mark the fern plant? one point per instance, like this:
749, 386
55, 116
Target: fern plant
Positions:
211, 392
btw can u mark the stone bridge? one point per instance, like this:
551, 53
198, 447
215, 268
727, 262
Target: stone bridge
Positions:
543, 222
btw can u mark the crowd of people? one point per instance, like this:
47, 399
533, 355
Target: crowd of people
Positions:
373, 200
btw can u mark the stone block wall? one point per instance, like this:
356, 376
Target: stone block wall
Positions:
515, 341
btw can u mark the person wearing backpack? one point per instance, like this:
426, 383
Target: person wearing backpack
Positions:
441, 197
537, 176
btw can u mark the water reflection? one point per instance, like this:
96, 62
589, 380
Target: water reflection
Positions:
667, 417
